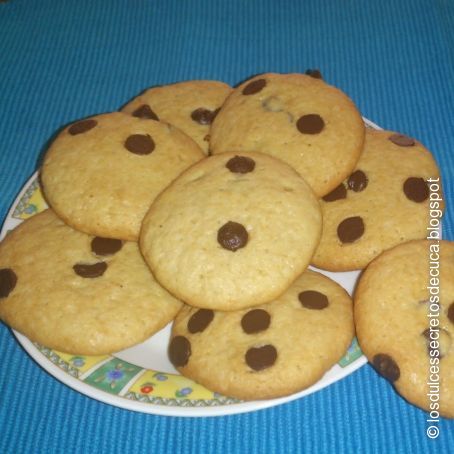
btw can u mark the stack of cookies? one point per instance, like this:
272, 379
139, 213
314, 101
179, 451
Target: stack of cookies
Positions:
206, 205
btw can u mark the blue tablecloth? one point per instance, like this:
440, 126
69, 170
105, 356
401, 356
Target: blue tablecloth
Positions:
60, 61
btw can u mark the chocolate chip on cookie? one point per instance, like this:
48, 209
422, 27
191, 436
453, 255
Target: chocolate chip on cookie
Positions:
140, 144
232, 236
310, 124
357, 181
179, 351
336, 194
90, 270
386, 366
8, 281
240, 164
312, 299
82, 126
402, 140
200, 320
254, 87
145, 111
430, 343
259, 358
315, 73
416, 189
204, 116
350, 229
255, 320
451, 313
105, 246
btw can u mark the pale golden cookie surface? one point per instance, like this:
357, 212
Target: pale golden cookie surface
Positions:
297, 118
233, 231
101, 174
191, 106
269, 351
404, 314
76, 293
384, 202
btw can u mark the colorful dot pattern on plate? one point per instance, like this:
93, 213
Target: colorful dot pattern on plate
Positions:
116, 376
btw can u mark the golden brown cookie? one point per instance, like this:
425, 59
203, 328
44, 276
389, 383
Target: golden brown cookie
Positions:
77, 293
385, 201
271, 350
101, 174
404, 314
297, 118
234, 230
191, 106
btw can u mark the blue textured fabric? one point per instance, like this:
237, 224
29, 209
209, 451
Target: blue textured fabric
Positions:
63, 60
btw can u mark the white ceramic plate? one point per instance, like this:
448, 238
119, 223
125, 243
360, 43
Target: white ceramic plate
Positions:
141, 378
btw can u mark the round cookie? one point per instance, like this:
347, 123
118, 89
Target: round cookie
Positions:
232, 231
384, 202
297, 118
77, 293
101, 174
404, 314
191, 106
269, 351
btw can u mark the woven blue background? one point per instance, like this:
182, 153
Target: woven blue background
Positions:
63, 60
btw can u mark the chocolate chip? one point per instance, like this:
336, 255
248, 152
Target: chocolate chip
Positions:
254, 87
315, 73
8, 280
310, 124
204, 116
206, 138
386, 366
357, 181
426, 334
82, 126
311, 299
401, 140
145, 111
140, 144
200, 320
179, 351
259, 358
255, 321
105, 246
232, 236
451, 313
350, 229
90, 271
336, 194
416, 189
240, 164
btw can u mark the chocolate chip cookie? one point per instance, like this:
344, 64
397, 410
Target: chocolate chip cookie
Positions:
297, 118
388, 199
191, 106
404, 313
77, 293
268, 351
232, 231
101, 174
